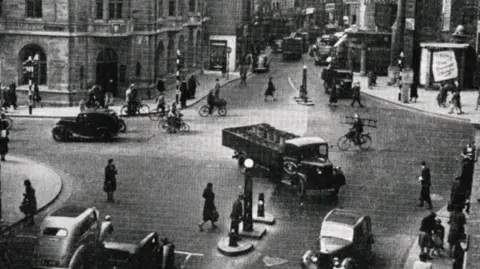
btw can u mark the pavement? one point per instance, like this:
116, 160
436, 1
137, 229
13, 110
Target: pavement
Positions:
46, 182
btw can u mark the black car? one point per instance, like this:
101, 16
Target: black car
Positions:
342, 79
148, 253
98, 124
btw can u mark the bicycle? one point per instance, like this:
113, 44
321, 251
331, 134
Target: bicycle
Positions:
142, 109
346, 141
157, 114
183, 126
220, 106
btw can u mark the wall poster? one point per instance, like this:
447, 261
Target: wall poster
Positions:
218, 54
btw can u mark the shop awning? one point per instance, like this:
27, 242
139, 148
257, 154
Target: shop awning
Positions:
433, 46
340, 41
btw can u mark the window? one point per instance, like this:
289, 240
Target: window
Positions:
122, 73
82, 76
34, 8
1, 4
191, 5
138, 70
160, 8
115, 8
172, 7
50, 231
99, 11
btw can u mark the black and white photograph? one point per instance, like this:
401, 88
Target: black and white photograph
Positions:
239, 134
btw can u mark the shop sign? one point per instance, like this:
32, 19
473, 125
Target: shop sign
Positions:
410, 24
330, 7
444, 65
351, 2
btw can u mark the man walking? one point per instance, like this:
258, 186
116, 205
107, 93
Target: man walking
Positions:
209, 209
426, 183
110, 183
356, 94
236, 215
192, 86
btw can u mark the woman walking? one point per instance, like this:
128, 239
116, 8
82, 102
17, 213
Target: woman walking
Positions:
209, 210
29, 203
414, 92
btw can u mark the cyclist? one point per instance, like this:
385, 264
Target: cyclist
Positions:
174, 118
211, 101
357, 129
161, 103
132, 101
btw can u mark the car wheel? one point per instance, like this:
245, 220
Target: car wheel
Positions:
124, 110
104, 134
300, 181
122, 126
9, 123
60, 134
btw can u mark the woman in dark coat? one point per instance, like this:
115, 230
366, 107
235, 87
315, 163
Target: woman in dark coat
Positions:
333, 96
3, 137
414, 92
209, 209
183, 94
29, 203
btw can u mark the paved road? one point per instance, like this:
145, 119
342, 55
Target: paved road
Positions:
161, 176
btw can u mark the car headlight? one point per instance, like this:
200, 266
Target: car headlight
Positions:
314, 259
319, 171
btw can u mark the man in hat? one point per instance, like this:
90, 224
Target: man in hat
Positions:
236, 214
110, 183
356, 94
425, 180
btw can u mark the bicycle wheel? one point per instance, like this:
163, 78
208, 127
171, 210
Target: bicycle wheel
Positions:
222, 111
162, 124
143, 109
365, 142
204, 111
154, 115
124, 110
9, 122
184, 127
343, 143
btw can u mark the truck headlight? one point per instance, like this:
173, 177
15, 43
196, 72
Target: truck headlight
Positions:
319, 171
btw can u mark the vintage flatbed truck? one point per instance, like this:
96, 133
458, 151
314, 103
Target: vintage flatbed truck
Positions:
299, 161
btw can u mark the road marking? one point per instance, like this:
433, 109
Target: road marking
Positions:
189, 253
291, 83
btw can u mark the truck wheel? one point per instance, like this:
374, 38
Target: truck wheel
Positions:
300, 182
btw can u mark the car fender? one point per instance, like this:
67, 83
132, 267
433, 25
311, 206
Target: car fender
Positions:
78, 257
105, 230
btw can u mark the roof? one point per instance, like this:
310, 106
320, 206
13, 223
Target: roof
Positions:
70, 211
302, 141
444, 45
59, 222
344, 216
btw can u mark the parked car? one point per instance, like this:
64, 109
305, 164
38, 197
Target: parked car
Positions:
277, 45
148, 253
344, 234
342, 79
262, 63
99, 124
70, 237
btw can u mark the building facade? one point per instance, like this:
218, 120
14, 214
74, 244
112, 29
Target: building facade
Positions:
79, 43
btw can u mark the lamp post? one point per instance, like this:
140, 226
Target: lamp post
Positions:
247, 204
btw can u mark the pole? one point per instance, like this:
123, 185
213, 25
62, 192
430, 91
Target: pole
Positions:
228, 65
247, 204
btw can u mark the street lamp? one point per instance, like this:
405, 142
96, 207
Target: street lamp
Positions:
247, 205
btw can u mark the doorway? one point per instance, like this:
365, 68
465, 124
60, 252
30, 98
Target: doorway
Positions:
107, 69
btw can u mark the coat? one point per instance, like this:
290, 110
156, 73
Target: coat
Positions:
110, 183
29, 203
355, 92
426, 182
209, 205
237, 210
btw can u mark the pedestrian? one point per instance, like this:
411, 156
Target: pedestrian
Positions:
457, 194
217, 89
183, 94
469, 152
372, 79
13, 94
236, 214
100, 96
422, 263
160, 86
457, 227
400, 86
427, 227
458, 255
332, 101
438, 237
414, 92
356, 94
456, 104
425, 180
270, 91
442, 95
110, 182
211, 101
109, 90
192, 86
209, 210
29, 203
466, 176
3, 137
36, 93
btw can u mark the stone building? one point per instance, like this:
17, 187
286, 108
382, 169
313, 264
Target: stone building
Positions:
80, 43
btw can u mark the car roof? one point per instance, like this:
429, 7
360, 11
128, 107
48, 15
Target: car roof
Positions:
343, 71
66, 217
307, 140
343, 216
70, 211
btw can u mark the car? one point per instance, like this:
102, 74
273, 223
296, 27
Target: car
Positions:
342, 79
344, 233
277, 46
70, 237
262, 64
147, 253
98, 124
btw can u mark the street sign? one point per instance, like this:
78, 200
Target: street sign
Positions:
330, 7
229, 50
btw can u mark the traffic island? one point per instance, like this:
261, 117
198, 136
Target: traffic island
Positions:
267, 218
256, 233
241, 247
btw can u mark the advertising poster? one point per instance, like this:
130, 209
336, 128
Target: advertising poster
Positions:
218, 54
444, 65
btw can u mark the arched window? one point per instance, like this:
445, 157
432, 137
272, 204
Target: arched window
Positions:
99, 9
172, 7
34, 8
191, 5
138, 70
81, 73
37, 55
115, 9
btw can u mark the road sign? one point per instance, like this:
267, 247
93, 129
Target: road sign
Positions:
229, 50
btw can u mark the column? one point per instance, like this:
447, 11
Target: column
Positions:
363, 60
429, 70
105, 10
461, 70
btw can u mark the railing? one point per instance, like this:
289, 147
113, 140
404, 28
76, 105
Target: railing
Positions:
111, 27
